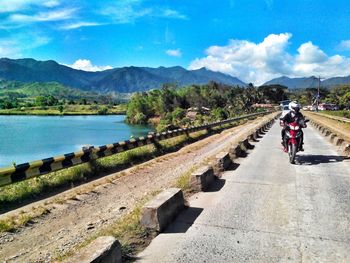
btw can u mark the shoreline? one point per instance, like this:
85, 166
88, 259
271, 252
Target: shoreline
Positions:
55, 114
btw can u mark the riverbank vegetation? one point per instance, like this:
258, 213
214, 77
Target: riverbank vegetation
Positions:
173, 107
17, 98
94, 109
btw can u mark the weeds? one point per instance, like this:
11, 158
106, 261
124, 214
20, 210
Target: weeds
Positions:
183, 181
10, 224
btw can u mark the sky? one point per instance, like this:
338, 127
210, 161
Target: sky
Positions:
254, 40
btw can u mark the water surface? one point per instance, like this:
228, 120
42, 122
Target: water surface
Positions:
29, 138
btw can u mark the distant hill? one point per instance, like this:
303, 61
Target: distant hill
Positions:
16, 89
121, 80
294, 83
310, 82
336, 81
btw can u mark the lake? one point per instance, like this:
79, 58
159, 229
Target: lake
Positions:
28, 138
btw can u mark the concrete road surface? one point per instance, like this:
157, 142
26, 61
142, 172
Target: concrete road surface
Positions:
267, 211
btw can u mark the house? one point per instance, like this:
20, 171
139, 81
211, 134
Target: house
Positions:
193, 111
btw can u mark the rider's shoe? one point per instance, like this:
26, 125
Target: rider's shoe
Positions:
301, 148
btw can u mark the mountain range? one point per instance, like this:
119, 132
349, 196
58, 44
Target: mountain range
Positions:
132, 79
309, 82
120, 80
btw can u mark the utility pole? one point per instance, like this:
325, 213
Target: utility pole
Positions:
318, 93
317, 99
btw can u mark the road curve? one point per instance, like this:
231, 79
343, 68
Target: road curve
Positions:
267, 211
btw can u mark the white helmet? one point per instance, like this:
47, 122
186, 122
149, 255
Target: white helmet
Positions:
294, 106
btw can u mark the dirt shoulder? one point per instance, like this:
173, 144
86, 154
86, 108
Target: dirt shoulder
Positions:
80, 213
338, 127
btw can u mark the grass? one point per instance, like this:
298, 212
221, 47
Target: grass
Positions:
183, 181
18, 193
14, 222
340, 113
67, 110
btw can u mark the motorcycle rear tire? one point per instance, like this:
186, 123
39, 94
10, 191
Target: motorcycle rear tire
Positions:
292, 150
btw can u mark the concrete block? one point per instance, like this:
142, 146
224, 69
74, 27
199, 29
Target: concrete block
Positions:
202, 178
105, 249
236, 151
162, 209
247, 145
222, 162
345, 147
252, 137
338, 141
332, 137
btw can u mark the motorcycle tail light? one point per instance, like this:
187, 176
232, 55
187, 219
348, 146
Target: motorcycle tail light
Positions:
294, 128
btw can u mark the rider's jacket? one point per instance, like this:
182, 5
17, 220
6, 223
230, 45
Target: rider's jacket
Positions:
289, 118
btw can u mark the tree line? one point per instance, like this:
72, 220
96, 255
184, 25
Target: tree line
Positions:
339, 95
168, 107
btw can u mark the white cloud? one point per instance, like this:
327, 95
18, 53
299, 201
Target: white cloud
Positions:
18, 45
174, 52
86, 65
9, 48
56, 15
310, 54
129, 11
20, 5
52, 3
344, 45
80, 24
170, 13
260, 62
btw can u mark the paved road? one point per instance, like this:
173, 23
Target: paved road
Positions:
267, 211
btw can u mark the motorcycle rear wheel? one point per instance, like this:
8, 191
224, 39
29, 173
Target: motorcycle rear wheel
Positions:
292, 150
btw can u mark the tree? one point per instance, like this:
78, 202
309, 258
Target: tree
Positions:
40, 101
60, 108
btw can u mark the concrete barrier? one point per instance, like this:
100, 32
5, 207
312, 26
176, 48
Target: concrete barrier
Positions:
202, 178
247, 145
338, 141
162, 209
253, 137
236, 151
105, 249
222, 162
344, 146
332, 137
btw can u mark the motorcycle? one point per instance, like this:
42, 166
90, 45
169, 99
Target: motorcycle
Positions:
293, 137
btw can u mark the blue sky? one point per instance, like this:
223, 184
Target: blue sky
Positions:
254, 40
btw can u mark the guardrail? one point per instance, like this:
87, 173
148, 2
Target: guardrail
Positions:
28, 170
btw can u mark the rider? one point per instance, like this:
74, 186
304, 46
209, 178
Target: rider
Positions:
293, 115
